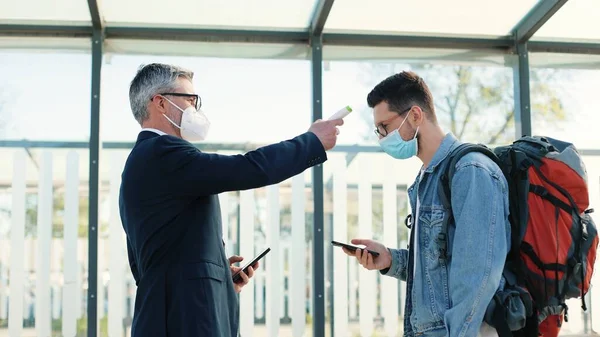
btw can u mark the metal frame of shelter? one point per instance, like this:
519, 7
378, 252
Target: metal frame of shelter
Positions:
517, 43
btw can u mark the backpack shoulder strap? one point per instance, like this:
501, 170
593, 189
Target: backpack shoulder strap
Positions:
448, 170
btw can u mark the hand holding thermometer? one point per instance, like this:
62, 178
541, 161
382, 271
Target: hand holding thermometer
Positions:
342, 113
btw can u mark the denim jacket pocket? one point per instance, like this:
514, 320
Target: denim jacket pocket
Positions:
435, 271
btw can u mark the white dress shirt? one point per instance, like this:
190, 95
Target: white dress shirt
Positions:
154, 130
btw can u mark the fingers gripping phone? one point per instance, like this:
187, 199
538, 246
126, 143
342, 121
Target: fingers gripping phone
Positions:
353, 248
237, 278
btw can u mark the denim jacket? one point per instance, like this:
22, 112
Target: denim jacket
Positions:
450, 297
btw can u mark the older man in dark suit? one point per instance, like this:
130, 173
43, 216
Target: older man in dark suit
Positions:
170, 209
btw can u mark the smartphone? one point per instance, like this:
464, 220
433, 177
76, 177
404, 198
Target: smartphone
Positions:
353, 247
237, 278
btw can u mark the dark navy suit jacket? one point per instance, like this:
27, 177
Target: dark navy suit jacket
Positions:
170, 212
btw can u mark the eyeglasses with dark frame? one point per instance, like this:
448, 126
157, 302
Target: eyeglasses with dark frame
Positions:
197, 100
381, 129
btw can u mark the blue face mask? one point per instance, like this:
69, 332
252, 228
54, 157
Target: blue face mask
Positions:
397, 147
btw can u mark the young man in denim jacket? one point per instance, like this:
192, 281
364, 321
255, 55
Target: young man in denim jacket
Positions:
445, 297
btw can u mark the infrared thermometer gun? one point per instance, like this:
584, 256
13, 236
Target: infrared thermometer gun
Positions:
342, 113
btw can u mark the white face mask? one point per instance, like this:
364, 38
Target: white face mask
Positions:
194, 123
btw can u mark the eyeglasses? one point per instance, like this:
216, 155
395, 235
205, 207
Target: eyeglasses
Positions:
381, 129
195, 99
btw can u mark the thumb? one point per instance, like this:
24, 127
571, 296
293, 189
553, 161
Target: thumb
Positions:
337, 122
235, 258
360, 241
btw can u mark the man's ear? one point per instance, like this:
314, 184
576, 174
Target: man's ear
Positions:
417, 116
160, 103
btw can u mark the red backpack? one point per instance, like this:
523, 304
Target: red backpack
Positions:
553, 237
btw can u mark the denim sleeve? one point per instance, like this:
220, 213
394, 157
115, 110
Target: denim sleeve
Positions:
480, 244
399, 266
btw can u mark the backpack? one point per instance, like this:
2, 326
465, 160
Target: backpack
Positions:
553, 237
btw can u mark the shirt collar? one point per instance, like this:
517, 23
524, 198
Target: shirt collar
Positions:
155, 131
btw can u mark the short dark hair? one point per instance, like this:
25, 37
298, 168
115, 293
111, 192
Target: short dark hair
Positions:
402, 90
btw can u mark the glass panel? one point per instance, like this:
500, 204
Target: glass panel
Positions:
249, 101
44, 44
264, 14
564, 61
564, 103
44, 96
208, 49
363, 200
464, 17
272, 96
365, 53
473, 97
473, 93
63, 12
576, 20
570, 109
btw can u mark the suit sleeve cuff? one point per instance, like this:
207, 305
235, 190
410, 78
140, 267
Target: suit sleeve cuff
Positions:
318, 155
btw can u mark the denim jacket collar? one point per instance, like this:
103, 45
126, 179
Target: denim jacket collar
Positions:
448, 144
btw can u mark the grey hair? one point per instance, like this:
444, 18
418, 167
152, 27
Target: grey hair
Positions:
150, 80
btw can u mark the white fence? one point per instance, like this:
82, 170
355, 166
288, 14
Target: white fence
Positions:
45, 277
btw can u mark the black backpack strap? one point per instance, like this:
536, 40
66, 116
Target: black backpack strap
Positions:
499, 318
448, 169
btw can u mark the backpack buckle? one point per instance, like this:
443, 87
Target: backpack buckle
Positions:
408, 221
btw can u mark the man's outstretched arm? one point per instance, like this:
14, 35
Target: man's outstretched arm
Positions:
201, 174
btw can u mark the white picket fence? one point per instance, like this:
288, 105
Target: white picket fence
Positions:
46, 277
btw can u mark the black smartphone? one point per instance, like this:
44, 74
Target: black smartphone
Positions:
237, 278
353, 247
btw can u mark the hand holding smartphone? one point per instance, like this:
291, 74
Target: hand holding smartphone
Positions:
237, 278
353, 248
